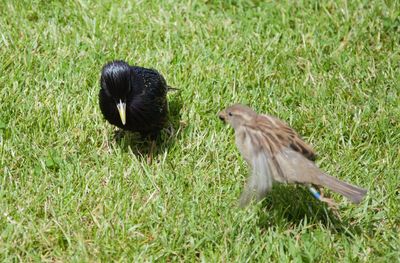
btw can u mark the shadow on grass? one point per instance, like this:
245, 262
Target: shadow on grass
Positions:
167, 137
290, 205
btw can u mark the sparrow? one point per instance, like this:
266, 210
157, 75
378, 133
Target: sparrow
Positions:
277, 154
133, 98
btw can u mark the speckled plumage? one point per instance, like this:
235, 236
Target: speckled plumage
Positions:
144, 92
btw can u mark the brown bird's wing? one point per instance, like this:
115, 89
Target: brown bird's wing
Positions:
279, 133
260, 181
290, 156
257, 151
272, 137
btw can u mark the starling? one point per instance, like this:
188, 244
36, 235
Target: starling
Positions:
133, 98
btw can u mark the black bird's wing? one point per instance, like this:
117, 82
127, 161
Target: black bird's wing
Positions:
154, 83
148, 100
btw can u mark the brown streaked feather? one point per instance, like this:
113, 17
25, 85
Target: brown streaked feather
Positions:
280, 135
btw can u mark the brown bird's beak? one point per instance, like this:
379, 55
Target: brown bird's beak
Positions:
222, 116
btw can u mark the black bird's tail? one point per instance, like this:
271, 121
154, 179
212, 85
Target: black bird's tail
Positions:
171, 88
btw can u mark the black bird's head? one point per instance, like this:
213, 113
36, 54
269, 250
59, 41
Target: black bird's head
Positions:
116, 82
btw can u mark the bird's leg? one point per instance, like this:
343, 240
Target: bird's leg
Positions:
331, 203
170, 130
153, 137
150, 155
320, 196
118, 134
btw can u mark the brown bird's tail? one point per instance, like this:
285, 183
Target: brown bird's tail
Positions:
353, 193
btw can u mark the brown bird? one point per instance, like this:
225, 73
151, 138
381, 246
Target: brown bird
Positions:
277, 154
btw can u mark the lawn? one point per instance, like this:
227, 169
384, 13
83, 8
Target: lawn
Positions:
73, 191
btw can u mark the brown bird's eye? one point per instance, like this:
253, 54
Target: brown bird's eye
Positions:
230, 113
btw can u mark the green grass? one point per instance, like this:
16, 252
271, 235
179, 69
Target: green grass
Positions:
71, 192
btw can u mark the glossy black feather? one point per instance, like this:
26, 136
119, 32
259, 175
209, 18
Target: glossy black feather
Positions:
144, 92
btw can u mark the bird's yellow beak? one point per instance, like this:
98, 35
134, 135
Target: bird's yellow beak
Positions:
121, 106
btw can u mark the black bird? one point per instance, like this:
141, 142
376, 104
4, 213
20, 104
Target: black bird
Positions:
133, 98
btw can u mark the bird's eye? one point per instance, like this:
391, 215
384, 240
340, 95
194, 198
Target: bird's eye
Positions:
230, 113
